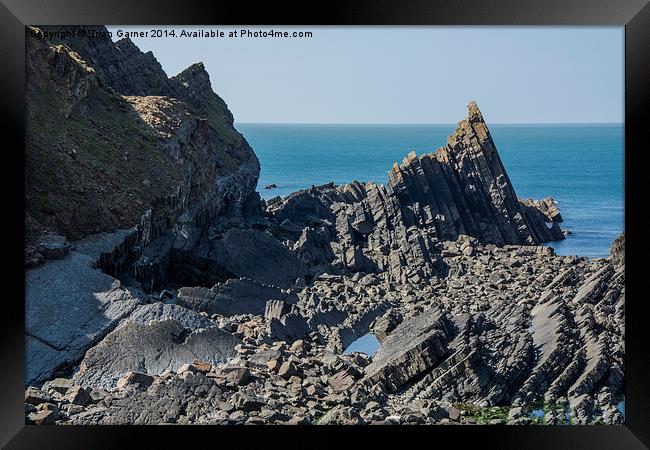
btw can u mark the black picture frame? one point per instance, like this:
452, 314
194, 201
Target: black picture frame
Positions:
634, 15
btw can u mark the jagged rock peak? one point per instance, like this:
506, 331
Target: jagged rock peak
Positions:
463, 188
127, 45
617, 249
474, 114
88, 80
195, 76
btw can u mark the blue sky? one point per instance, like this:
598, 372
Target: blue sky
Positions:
408, 74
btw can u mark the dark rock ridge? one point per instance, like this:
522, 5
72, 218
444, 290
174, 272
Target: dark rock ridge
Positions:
236, 296
461, 189
411, 349
160, 289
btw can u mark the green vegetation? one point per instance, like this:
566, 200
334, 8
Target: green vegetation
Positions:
218, 118
483, 416
537, 413
215, 110
85, 173
102, 166
487, 415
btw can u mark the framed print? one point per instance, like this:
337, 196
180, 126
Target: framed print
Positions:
415, 215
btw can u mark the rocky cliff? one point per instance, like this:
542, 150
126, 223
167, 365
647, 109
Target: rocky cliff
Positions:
113, 143
118, 157
461, 189
161, 289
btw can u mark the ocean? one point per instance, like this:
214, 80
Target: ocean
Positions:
581, 166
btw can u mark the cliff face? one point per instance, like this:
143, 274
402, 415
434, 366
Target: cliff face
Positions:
128, 71
119, 159
112, 143
463, 188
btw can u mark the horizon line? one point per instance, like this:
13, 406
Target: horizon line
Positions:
425, 123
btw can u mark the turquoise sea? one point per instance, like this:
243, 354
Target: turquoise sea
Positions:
581, 166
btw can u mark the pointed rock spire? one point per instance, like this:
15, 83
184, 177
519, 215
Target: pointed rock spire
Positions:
463, 188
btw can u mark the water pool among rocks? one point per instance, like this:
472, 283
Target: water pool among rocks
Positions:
368, 344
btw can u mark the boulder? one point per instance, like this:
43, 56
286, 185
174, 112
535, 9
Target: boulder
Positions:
384, 325
54, 247
235, 296
137, 380
35, 396
61, 385
341, 415
343, 380
287, 370
143, 344
413, 347
276, 309
290, 327
260, 359
77, 395
201, 366
233, 374
45, 417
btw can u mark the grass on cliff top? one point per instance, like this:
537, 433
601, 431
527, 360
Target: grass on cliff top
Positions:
209, 105
95, 171
218, 118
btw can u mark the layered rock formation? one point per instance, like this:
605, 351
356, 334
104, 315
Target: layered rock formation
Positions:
461, 189
518, 330
161, 289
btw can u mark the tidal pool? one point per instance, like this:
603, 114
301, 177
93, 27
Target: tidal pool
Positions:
368, 344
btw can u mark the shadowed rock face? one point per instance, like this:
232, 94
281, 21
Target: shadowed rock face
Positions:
114, 146
105, 114
69, 307
236, 296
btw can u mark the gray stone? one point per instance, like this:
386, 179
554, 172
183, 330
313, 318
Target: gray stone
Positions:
236, 375
236, 296
77, 395
135, 379
35, 396
290, 327
61, 385
341, 415
153, 347
276, 309
260, 359
44, 417
69, 306
287, 370
413, 347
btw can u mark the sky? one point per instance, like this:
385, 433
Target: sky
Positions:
398, 75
